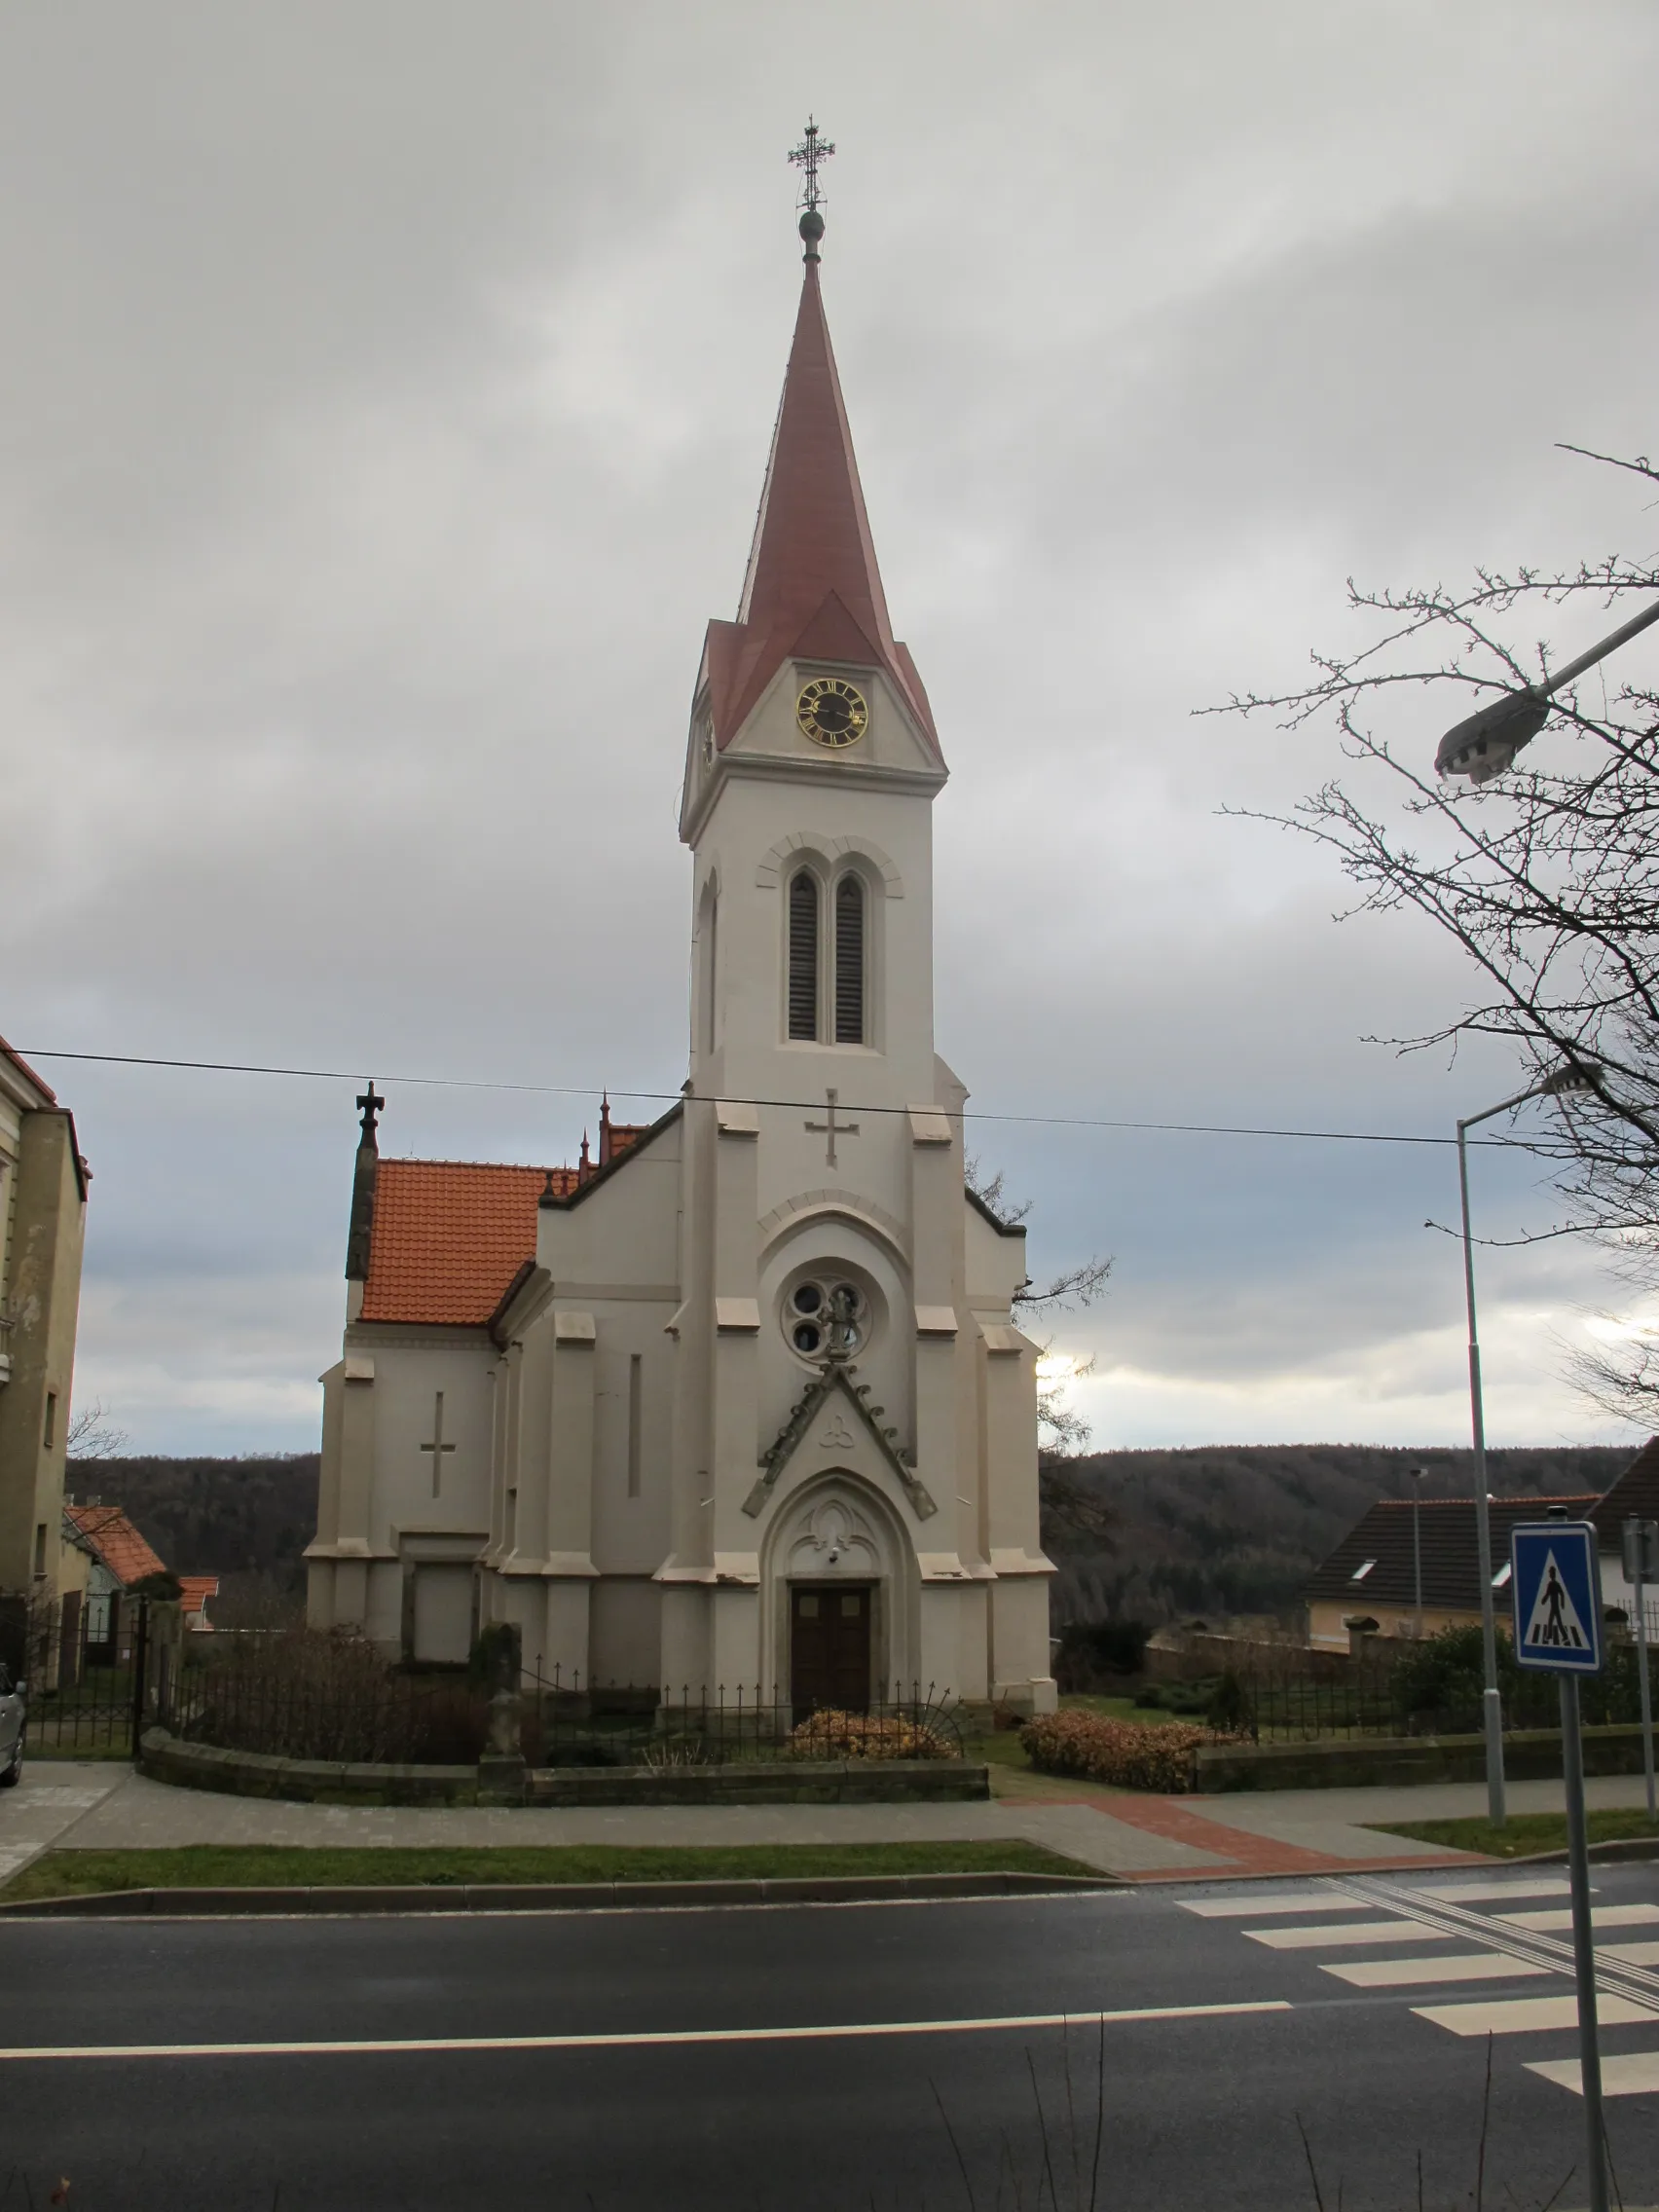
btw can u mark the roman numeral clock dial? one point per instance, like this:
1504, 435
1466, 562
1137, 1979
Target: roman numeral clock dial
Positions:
831, 712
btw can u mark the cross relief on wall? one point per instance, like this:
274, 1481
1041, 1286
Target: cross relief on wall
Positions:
437, 1447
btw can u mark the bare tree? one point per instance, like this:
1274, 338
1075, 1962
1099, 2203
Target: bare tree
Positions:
1546, 876
93, 1435
1061, 1428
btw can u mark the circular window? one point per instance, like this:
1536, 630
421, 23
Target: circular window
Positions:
825, 1313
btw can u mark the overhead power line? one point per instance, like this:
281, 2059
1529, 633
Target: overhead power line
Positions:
674, 1098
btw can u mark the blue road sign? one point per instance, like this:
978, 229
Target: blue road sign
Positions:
1557, 1579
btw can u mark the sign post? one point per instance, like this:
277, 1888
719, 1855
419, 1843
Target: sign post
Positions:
1556, 1575
1642, 1566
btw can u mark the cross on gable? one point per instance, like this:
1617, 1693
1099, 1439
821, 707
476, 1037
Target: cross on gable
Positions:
832, 1128
369, 1103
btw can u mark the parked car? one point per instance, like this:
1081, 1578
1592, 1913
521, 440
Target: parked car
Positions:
12, 1717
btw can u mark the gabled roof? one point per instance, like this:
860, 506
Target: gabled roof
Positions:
194, 1590
1635, 1494
812, 590
113, 1538
1451, 1552
16, 1061
449, 1235
449, 1238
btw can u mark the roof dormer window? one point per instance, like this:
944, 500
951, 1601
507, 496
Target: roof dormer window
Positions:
1362, 1569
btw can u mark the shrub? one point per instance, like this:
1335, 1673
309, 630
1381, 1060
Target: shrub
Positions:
1229, 1708
1120, 1752
835, 1735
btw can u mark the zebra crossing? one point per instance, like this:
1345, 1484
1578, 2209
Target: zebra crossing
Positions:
1432, 1937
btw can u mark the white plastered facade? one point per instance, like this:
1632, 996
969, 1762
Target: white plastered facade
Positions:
642, 1473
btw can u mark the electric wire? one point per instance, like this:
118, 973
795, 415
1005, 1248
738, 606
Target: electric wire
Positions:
687, 1095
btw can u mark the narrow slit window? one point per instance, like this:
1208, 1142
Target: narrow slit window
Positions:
636, 1365
803, 956
850, 961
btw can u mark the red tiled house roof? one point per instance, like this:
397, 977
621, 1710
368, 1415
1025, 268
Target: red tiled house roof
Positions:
116, 1541
194, 1591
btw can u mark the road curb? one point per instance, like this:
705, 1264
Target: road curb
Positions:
545, 1896
1624, 1847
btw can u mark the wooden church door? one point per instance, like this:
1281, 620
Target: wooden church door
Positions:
830, 1636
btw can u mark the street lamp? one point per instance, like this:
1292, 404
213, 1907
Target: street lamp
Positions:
1573, 1077
1486, 744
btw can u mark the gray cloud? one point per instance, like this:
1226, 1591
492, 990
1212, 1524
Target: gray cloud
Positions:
382, 406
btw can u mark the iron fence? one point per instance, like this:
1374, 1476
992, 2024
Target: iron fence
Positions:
83, 1669
308, 1695
1384, 1697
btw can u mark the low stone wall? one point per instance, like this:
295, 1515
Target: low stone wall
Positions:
164, 1757
1529, 1755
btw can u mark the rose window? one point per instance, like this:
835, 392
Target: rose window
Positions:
825, 1313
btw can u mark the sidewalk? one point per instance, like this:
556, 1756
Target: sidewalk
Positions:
104, 1806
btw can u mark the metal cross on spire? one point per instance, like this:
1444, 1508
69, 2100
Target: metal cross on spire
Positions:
806, 157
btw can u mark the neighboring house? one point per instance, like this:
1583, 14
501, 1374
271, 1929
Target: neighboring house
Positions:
1633, 1497
194, 1591
1368, 1586
747, 1401
42, 1204
106, 1555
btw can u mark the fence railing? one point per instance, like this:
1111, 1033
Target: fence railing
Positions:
315, 1697
82, 1666
1380, 1698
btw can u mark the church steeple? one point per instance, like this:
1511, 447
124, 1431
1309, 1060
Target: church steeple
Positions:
813, 589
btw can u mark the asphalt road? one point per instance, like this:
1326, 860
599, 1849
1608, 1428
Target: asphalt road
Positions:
1200, 2106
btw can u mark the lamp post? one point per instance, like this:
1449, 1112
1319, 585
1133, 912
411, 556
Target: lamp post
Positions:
1564, 1079
1417, 1474
1486, 742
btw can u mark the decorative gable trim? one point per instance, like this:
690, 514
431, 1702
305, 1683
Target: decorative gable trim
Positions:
801, 1417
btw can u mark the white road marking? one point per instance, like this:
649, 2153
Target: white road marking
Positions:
1626, 2074
648, 2038
1600, 1916
1469, 1892
1632, 1954
1462, 1966
1346, 1932
1525, 2015
1242, 1907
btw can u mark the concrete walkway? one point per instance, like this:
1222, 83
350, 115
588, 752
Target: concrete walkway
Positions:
103, 1805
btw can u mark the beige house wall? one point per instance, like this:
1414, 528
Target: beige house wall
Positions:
42, 1199
1326, 1631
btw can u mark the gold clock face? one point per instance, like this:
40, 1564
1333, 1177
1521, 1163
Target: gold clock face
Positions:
833, 712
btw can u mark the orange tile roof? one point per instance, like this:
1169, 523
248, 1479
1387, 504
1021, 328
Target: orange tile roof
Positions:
195, 1592
116, 1542
449, 1237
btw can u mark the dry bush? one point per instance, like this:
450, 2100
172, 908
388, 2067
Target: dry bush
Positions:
835, 1735
1119, 1752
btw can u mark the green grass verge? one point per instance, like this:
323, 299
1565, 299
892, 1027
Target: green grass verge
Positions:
258, 1866
1522, 1833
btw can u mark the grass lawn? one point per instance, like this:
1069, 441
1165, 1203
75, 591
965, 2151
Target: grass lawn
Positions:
1523, 1833
257, 1865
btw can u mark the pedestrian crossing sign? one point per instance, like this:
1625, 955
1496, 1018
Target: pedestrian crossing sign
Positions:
1556, 1577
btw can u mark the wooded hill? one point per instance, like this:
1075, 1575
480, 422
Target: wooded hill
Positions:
1223, 1530
248, 1519
1152, 1535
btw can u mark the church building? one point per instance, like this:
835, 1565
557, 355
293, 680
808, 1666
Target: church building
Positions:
743, 1400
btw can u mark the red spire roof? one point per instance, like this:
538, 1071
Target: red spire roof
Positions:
813, 589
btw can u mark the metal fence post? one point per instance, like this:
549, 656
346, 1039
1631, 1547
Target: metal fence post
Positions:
140, 1663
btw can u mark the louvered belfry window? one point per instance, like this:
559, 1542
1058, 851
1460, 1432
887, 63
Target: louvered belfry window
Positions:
803, 955
850, 961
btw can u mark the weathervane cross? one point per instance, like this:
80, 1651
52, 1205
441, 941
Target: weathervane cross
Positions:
807, 157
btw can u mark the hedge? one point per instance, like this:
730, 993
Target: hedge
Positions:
1120, 1751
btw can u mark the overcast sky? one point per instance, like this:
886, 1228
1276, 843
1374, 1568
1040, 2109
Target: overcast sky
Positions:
385, 391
